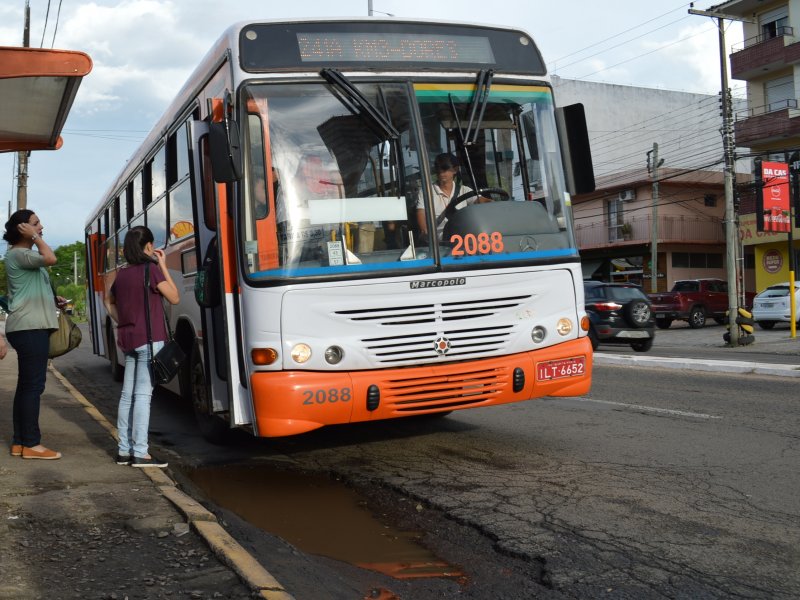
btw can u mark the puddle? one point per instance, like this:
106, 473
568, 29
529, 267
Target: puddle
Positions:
319, 516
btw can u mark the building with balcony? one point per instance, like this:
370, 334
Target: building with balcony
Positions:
614, 227
614, 224
768, 61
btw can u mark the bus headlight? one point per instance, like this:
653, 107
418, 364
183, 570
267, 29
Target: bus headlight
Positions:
538, 334
334, 355
301, 353
563, 327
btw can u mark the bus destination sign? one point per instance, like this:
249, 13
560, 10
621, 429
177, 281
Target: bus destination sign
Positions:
324, 47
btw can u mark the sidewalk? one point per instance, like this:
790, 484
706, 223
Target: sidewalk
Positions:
773, 353
85, 527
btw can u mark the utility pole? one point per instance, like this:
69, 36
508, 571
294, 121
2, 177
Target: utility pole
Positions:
652, 168
75, 267
22, 157
731, 229
369, 8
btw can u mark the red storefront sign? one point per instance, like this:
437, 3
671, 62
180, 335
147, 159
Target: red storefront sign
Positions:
775, 194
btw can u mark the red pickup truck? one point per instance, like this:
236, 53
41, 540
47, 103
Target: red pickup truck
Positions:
692, 300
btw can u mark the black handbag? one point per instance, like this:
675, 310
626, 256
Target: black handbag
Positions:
167, 362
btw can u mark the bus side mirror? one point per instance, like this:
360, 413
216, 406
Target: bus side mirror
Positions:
225, 150
575, 150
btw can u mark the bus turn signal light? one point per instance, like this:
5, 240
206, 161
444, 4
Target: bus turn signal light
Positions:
264, 356
585, 323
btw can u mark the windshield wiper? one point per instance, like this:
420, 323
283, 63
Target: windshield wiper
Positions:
479, 101
358, 104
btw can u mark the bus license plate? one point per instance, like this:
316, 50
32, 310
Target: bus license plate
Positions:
558, 369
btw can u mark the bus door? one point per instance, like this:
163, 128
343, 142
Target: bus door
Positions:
220, 321
94, 309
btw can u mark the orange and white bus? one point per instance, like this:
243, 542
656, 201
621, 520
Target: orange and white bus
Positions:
292, 176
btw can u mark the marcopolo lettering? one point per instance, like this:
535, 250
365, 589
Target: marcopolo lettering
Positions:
434, 283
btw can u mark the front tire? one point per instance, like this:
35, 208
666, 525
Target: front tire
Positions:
593, 338
642, 345
697, 317
766, 324
213, 428
663, 323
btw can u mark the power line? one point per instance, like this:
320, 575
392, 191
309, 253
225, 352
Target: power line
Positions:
616, 35
46, 17
55, 29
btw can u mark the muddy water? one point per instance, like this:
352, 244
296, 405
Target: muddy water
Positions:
319, 516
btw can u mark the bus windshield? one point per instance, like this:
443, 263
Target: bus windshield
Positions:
340, 181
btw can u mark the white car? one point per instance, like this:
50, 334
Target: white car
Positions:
772, 305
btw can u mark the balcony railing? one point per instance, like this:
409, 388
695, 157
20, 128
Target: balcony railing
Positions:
758, 39
767, 108
671, 228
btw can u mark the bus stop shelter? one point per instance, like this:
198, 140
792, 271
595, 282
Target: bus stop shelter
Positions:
37, 89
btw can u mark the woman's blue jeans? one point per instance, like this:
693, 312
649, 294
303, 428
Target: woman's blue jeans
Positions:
133, 417
32, 346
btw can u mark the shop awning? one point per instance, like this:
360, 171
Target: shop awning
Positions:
37, 88
621, 263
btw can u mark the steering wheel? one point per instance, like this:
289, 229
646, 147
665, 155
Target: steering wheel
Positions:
451, 206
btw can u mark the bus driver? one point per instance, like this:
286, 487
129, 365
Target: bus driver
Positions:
445, 166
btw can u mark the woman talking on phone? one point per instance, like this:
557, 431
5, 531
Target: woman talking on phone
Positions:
125, 304
31, 319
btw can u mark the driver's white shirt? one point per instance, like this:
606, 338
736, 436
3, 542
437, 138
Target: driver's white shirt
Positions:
441, 199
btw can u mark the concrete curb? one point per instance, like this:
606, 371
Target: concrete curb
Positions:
691, 364
229, 551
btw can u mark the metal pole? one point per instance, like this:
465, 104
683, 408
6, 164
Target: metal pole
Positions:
654, 225
794, 184
369, 8
22, 157
730, 215
75, 267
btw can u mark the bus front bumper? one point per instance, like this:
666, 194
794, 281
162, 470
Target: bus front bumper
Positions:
293, 402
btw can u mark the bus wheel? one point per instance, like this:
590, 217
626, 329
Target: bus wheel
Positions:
117, 370
213, 428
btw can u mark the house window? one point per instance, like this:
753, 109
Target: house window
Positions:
779, 93
696, 260
774, 22
615, 214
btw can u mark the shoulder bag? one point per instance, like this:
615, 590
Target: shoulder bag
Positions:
67, 337
166, 364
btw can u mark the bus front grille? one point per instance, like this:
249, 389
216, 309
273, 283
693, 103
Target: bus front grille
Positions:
446, 391
433, 347
443, 312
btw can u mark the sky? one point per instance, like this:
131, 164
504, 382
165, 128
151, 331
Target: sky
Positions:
143, 51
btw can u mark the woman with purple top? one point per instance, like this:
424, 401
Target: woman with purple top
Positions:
125, 304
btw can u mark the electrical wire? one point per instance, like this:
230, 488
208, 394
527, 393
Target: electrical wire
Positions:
616, 35
55, 29
44, 30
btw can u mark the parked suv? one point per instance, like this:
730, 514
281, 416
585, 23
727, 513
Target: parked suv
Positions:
620, 313
772, 305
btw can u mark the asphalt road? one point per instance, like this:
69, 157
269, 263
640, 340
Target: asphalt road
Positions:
656, 484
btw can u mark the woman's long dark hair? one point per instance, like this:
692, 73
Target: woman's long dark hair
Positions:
135, 241
12, 234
